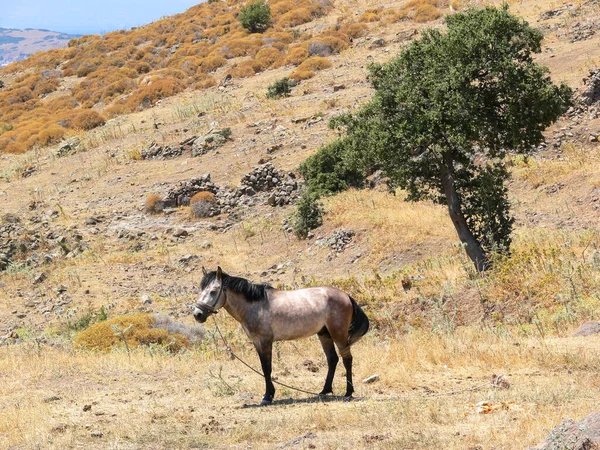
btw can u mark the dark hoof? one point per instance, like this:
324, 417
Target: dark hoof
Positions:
266, 402
324, 393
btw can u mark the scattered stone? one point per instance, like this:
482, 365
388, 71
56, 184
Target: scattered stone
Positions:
28, 171
156, 151
282, 189
378, 43
371, 379
69, 147
40, 278
146, 300
338, 241
406, 35
53, 398
180, 233
182, 193
591, 90
588, 329
500, 381
210, 141
87, 408
186, 259
572, 435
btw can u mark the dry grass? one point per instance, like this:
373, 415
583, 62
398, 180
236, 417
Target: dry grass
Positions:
196, 399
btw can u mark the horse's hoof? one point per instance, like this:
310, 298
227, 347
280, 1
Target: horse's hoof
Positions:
325, 393
266, 402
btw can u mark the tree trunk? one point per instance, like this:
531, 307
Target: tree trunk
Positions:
472, 246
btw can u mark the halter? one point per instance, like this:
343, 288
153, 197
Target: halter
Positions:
208, 309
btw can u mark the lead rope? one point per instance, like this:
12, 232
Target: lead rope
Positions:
392, 397
233, 355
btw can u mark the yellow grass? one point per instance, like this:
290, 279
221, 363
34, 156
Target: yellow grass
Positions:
197, 398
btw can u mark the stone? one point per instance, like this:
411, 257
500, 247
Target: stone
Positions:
378, 43
371, 379
587, 329
572, 435
180, 233
40, 278
146, 300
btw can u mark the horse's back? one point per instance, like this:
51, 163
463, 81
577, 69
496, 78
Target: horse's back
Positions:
304, 312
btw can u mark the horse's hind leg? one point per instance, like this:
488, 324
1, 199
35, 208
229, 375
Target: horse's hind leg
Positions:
332, 360
347, 360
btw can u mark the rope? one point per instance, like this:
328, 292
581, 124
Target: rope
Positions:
233, 355
391, 397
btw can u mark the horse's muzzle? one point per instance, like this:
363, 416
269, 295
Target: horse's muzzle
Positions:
200, 315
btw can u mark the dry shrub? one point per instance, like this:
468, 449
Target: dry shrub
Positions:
370, 15
245, 69
204, 82
355, 30
156, 90
315, 63
296, 56
63, 103
426, 13
266, 57
50, 135
295, 17
393, 15
212, 63
154, 204
87, 120
302, 74
138, 329
202, 204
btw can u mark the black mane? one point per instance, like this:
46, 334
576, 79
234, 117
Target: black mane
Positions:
252, 292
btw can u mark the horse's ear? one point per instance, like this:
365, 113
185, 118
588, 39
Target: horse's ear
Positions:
219, 273
204, 270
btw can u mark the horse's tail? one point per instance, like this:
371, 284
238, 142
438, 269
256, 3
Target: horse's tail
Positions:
359, 324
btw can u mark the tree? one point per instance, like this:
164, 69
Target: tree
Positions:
256, 17
445, 114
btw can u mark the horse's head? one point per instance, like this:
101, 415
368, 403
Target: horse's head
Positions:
212, 297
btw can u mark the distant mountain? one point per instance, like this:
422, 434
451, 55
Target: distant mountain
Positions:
19, 44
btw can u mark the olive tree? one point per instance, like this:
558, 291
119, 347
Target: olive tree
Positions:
444, 116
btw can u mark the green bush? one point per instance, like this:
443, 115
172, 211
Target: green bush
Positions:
281, 88
309, 214
256, 17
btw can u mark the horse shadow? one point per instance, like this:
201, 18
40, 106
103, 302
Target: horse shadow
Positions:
301, 401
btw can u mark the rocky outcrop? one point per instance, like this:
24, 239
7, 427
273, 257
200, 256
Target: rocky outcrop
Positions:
588, 329
572, 435
181, 194
591, 90
282, 188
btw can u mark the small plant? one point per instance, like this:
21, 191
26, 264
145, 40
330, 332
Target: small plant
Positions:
281, 88
309, 214
154, 204
132, 330
203, 204
256, 17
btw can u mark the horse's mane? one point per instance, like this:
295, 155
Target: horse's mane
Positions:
252, 292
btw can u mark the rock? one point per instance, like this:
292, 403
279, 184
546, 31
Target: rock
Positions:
146, 300
588, 329
186, 259
87, 408
69, 147
371, 379
591, 89
156, 151
40, 278
377, 43
571, 435
180, 233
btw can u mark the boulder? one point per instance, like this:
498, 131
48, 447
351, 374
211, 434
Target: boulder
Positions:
587, 329
572, 435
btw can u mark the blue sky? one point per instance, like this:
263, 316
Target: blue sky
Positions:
86, 16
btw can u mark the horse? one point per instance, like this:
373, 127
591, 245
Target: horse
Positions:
268, 315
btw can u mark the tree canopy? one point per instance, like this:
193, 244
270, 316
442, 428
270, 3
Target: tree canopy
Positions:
445, 114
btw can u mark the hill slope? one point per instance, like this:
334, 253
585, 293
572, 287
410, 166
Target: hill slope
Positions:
76, 238
16, 45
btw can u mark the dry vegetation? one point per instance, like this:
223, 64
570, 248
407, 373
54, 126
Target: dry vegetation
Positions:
439, 330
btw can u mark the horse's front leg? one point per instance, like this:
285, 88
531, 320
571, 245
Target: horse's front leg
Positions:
264, 347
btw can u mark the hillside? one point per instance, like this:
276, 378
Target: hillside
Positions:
16, 45
102, 125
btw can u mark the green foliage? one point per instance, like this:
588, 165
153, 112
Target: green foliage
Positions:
446, 112
256, 17
281, 88
309, 214
334, 168
225, 132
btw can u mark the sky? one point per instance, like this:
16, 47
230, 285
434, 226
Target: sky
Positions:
86, 16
